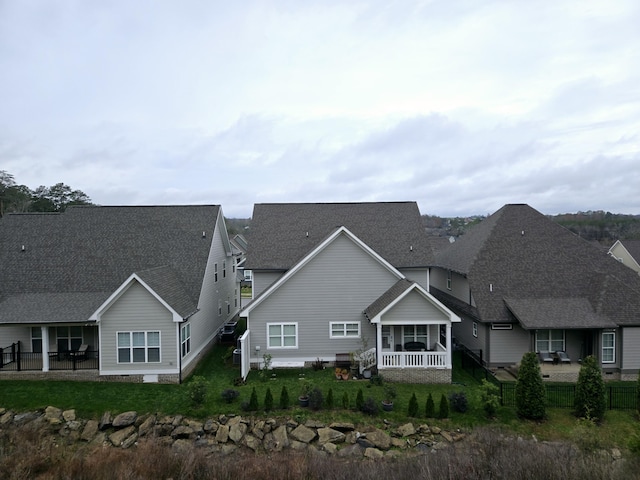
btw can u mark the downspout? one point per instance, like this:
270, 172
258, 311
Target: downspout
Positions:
179, 353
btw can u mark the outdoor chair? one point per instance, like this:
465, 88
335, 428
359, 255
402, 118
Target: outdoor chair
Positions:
545, 356
563, 357
81, 353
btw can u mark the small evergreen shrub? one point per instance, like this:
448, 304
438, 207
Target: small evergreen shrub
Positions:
284, 398
329, 400
590, 401
198, 391
370, 406
345, 400
430, 407
376, 380
444, 407
229, 395
315, 399
359, 400
490, 399
458, 401
268, 400
253, 401
412, 410
530, 390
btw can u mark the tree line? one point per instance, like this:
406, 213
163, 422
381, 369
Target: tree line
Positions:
15, 198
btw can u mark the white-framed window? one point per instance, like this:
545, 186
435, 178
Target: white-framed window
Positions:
474, 330
608, 347
68, 338
448, 279
138, 347
344, 329
282, 335
215, 272
219, 307
185, 338
415, 333
36, 339
550, 340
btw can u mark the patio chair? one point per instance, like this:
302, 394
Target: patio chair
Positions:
563, 357
545, 356
81, 353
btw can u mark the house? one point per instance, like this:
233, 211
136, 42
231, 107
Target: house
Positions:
336, 278
521, 282
120, 293
627, 253
239, 246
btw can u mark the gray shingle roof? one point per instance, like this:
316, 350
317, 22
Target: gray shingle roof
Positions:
534, 313
72, 262
518, 253
283, 233
387, 298
633, 247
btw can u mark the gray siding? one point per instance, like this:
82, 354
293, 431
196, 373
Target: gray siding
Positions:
459, 284
262, 280
15, 333
414, 308
336, 285
508, 346
420, 276
137, 310
463, 332
630, 348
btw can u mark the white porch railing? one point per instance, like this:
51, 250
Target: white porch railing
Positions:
413, 359
367, 359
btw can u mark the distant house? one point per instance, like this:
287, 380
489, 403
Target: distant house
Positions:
331, 279
521, 282
627, 252
124, 293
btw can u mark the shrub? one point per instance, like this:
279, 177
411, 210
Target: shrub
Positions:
376, 380
490, 399
359, 400
370, 406
458, 402
229, 395
315, 399
284, 398
268, 400
329, 400
430, 407
253, 401
317, 364
198, 390
345, 400
530, 390
412, 411
444, 407
266, 366
590, 402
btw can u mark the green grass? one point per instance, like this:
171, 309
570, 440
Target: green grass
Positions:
91, 399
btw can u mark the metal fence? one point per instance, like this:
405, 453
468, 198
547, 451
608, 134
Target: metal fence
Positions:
12, 358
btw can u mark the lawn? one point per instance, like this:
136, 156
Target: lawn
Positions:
91, 399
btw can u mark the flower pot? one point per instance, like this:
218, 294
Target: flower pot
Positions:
345, 376
387, 407
304, 401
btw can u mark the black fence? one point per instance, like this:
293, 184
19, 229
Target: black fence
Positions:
619, 397
12, 358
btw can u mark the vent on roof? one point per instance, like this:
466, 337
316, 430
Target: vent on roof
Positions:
204, 234
307, 234
411, 248
23, 248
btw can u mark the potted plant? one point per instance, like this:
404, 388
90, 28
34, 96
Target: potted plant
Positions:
344, 374
303, 398
338, 373
389, 395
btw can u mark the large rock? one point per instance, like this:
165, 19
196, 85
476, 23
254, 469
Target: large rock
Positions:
125, 419
237, 431
105, 421
281, 438
406, 430
351, 451
182, 431
69, 415
53, 415
326, 435
343, 426
147, 426
380, 439
373, 453
222, 435
119, 436
90, 431
252, 442
303, 434
6, 418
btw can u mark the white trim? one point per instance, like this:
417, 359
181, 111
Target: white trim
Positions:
282, 336
345, 323
194, 355
97, 315
139, 372
289, 273
613, 348
146, 347
474, 329
187, 340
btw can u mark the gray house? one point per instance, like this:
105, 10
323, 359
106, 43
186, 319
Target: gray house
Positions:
338, 278
521, 282
627, 253
125, 293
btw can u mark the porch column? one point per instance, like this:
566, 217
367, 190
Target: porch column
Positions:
449, 346
45, 348
378, 344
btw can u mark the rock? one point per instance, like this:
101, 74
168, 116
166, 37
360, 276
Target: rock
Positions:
197, 427
90, 430
105, 421
314, 424
6, 418
119, 436
147, 426
364, 443
222, 435
343, 426
210, 426
22, 418
252, 442
373, 453
326, 435
53, 415
69, 415
616, 453
303, 434
398, 443
444, 434
234, 421
380, 439
229, 448
330, 448
435, 430
296, 445
258, 432
392, 454
406, 430
130, 440
3, 410
74, 425
182, 431
424, 428
177, 420
351, 451
182, 445
281, 438
125, 419
237, 431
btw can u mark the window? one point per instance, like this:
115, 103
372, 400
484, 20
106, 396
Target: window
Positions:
415, 333
475, 329
550, 340
608, 347
185, 339
233, 267
36, 339
215, 272
68, 338
448, 279
501, 326
344, 330
138, 347
224, 269
282, 335
219, 307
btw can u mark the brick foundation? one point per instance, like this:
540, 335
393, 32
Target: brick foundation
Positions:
417, 375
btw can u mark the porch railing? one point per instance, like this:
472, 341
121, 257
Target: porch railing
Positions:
414, 359
13, 359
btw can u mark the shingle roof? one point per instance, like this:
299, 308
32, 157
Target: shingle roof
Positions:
73, 261
633, 247
387, 298
283, 233
518, 253
534, 313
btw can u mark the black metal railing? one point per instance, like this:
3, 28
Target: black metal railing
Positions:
12, 358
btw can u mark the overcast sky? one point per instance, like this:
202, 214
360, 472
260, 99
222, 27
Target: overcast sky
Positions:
463, 106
